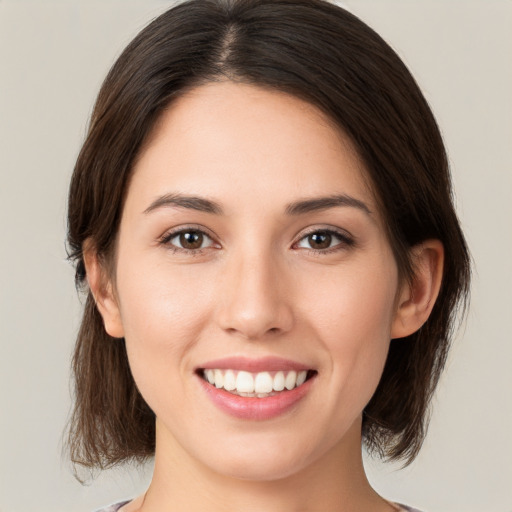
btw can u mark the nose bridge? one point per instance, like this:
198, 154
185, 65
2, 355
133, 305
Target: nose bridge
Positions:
254, 300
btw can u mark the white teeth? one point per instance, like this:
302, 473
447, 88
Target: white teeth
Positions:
301, 377
290, 380
244, 382
279, 381
229, 380
219, 379
261, 384
210, 376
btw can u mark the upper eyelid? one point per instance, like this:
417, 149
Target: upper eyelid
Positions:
170, 233
325, 229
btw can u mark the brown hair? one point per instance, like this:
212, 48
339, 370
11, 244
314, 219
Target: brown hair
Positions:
327, 56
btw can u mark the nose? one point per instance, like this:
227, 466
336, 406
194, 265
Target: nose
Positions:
255, 301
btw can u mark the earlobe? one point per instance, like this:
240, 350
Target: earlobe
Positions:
102, 290
417, 298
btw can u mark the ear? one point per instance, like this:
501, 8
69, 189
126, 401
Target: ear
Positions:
417, 298
102, 290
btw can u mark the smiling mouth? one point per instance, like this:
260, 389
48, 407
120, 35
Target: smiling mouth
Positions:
255, 385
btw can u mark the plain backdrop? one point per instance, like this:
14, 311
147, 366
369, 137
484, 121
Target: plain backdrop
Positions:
53, 57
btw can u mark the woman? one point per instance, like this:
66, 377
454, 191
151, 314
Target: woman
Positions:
261, 215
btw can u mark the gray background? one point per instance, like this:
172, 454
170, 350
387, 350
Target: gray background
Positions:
53, 57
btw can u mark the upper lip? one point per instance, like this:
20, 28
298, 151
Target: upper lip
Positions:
254, 365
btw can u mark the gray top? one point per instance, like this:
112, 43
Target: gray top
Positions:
113, 508
117, 506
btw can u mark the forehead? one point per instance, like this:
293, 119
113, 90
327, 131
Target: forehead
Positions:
263, 144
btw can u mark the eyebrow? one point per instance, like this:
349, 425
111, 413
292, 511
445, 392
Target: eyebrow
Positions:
299, 207
324, 203
182, 201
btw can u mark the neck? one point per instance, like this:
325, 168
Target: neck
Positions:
336, 481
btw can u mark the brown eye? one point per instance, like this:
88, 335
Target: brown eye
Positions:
320, 240
188, 240
191, 239
326, 241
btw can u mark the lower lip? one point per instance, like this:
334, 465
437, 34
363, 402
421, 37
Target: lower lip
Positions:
250, 408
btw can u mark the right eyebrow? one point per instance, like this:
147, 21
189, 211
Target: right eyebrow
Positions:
323, 203
183, 201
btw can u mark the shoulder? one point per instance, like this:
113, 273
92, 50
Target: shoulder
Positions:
113, 508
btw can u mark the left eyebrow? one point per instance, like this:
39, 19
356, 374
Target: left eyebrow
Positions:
184, 201
323, 203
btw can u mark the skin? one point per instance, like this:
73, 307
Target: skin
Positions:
256, 287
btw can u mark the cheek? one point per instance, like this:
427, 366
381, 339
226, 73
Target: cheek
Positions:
353, 317
353, 304
160, 303
163, 313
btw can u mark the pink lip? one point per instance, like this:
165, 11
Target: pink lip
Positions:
253, 408
262, 364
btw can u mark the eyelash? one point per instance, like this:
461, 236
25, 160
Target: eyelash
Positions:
344, 240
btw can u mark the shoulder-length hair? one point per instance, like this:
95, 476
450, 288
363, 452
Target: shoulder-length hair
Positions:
321, 53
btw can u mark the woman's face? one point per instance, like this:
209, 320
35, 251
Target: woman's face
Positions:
251, 253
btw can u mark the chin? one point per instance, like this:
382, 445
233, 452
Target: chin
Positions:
257, 460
